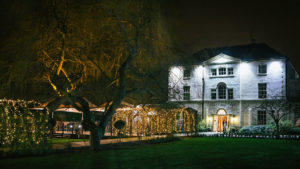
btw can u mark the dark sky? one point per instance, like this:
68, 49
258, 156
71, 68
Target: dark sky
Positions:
198, 24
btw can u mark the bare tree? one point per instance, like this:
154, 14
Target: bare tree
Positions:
277, 108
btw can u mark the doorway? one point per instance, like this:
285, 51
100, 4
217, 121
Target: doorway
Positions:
222, 122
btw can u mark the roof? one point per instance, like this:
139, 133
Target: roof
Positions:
64, 107
249, 52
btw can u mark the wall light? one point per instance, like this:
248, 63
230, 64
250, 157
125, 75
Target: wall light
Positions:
275, 66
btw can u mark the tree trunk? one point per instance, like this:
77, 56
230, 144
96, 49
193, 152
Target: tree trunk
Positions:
277, 130
94, 139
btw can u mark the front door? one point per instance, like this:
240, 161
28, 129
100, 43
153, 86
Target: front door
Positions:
222, 121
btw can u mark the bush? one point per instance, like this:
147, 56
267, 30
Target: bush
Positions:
23, 130
285, 126
234, 129
257, 129
295, 131
202, 126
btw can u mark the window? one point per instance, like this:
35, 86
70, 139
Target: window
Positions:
214, 72
262, 69
262, 90
186, 73
186, 92
213, 94
222, 71
222, 91
230, 93
230, 71
261, 117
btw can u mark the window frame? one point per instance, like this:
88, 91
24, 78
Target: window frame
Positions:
186, 71
224, 92
186, 93
232, 70
230, 96
221, 71
262, 93
213, 92
261, 117
211, 72
259, 69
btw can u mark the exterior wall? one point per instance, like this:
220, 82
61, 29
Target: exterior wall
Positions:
241, 110
244, 81
275, 79
230, 81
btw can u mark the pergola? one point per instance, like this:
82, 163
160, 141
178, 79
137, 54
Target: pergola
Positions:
141, 120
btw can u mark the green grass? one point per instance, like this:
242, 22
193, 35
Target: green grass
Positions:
65, 140
199, 153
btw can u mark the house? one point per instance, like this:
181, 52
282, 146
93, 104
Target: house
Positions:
226, 85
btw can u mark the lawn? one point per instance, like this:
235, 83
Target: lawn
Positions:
199, 153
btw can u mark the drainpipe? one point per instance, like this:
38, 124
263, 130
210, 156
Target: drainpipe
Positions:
203, 88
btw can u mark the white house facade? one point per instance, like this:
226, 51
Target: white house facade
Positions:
227, 84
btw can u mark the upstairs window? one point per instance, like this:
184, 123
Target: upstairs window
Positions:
230, 71
186, 73
213, 72
261, 117
222, 71
262, 90
186, 92
262, 69
230, 93
213, 94
222, 91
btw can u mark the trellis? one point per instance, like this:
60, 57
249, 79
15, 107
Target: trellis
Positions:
149, 120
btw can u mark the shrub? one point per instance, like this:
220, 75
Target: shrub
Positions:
202, 126
234, 129
295, 131
257, 129
285, 126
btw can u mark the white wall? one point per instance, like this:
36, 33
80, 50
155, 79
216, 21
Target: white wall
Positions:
245, 80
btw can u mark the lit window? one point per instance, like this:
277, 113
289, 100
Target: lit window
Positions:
186, 92
222, 71
222, 91
230, 93
186, 73
262, 90
262, 69
230, 71
213, 94
261, 117
214, 72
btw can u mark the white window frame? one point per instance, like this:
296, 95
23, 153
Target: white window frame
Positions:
259, 68
260, 91
185, 92
224, 69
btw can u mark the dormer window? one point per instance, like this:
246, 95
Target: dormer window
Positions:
186, 73
222, 71
262, 69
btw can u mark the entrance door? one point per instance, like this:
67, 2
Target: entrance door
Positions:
222, 120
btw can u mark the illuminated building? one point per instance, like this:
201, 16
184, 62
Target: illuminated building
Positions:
228, 83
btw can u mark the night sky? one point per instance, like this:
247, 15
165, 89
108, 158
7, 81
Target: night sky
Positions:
198, 24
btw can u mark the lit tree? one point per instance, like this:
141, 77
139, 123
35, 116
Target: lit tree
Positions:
99, 50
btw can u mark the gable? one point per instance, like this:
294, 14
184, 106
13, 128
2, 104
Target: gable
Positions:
221, 59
